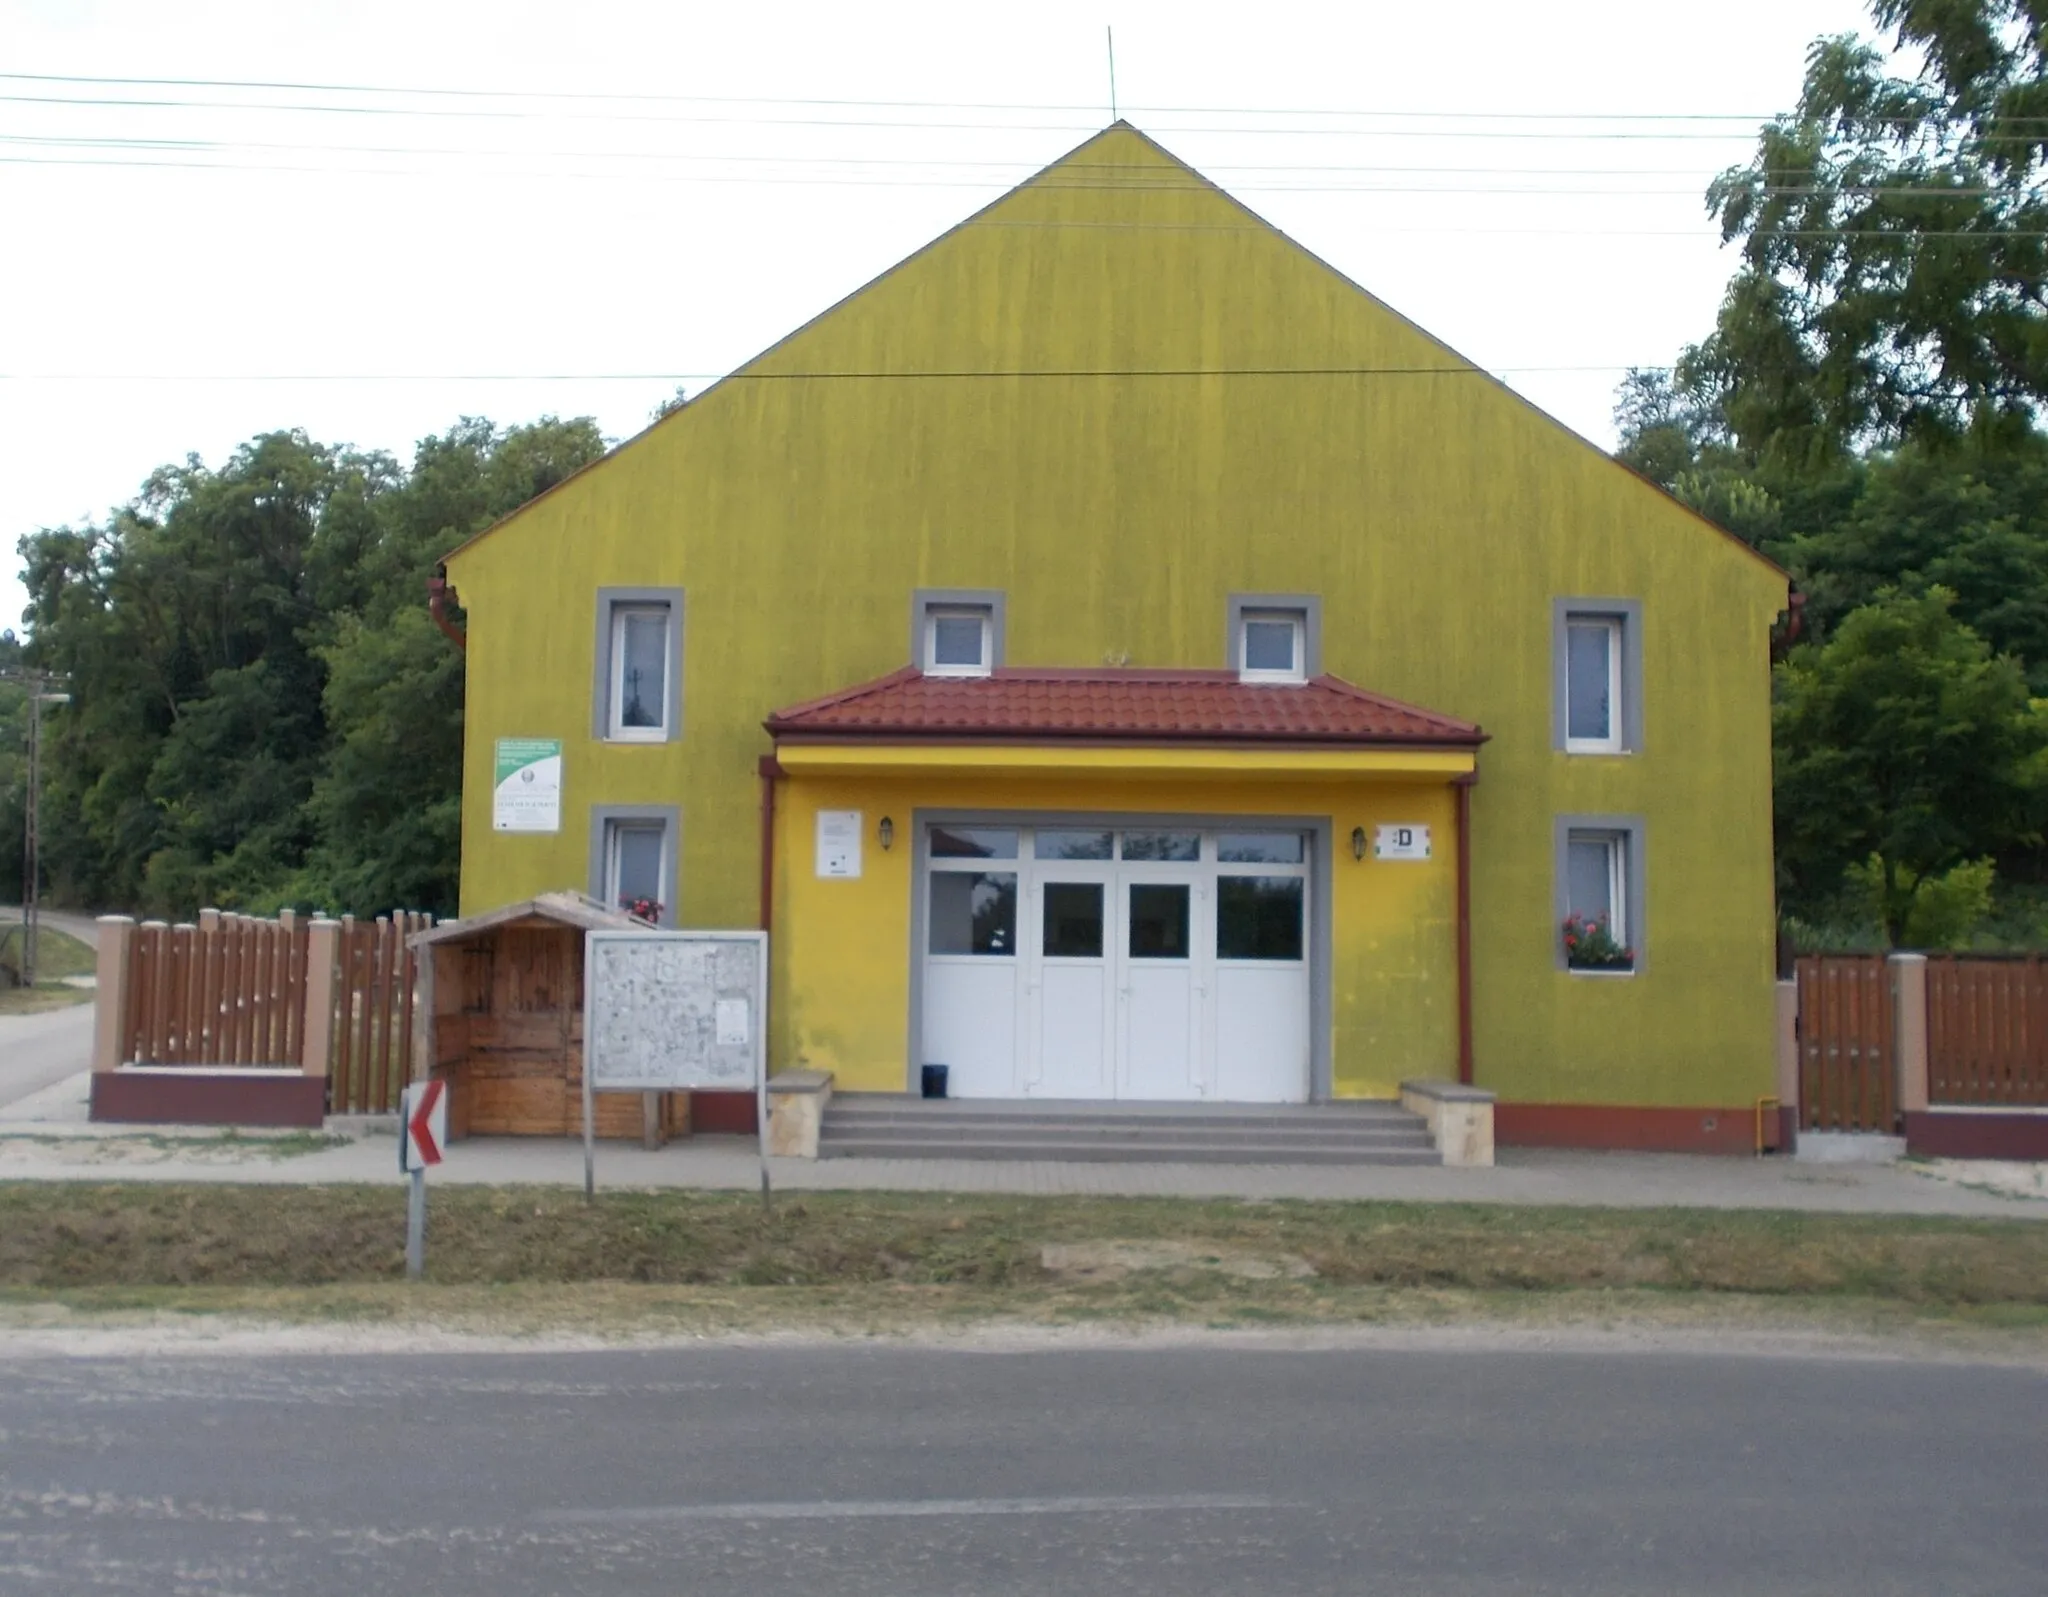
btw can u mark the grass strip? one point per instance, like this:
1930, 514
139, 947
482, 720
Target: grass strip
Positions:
1169, 1256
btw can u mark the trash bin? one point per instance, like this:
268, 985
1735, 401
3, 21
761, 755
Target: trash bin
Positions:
935, 1081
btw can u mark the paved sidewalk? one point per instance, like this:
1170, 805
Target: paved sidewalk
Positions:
46, 1138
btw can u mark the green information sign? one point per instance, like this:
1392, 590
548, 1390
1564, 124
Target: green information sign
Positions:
527, 793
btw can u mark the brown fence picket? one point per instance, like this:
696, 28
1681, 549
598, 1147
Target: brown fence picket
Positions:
1987, 1031
347, 1079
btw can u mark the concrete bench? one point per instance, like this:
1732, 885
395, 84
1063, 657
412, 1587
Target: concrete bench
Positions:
796, 1111
1460, 1119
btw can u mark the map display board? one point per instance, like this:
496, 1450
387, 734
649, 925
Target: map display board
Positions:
674, 1011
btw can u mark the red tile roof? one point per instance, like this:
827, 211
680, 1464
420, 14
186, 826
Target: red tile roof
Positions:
1115, 706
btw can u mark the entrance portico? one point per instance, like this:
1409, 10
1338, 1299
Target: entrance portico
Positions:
1117, 885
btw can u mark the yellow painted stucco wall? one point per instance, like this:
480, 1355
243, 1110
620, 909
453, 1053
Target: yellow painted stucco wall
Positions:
842, 950
1208, 410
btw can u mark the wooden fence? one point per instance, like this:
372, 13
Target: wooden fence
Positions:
1847, 1069
376, 977
230, 990
1987, 1031
330, 998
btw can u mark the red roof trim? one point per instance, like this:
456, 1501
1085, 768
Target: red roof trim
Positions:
1145, 706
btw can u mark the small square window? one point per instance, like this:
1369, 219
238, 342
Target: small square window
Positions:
639, 690
1593, 684
959, 641
1272, 646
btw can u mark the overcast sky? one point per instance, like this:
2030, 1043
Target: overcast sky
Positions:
1523, 180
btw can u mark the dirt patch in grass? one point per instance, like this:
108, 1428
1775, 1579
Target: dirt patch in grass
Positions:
934, 1254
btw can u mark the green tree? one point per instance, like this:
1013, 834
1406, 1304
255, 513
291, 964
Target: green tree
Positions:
1903, 742
1962, 517
1894, 230
386, 810
261, 712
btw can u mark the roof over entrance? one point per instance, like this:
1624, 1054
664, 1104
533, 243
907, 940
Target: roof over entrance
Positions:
1116, 706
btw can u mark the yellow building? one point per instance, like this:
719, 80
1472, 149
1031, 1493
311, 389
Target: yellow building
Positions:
1120, 658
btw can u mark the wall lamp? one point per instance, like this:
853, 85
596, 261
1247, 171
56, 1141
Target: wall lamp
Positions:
1358, 842
887, 832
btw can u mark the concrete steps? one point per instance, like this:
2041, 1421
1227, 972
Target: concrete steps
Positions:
879, 1126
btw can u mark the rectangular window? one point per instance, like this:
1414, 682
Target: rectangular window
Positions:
1597, 676
639, 671
974, 842
956, 632
1600, 894
636, 866
973, 912
1261, 848
1073, 920
1274, 637
1593, 685
1158, 926
958, 643
633, 859
639, 665
1061, 844
1259, 917
1274, 648
1171, 846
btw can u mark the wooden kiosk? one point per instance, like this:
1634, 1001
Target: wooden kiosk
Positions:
502, 1011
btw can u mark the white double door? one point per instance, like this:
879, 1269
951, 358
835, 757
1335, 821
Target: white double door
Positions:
1117, 983
1119, 977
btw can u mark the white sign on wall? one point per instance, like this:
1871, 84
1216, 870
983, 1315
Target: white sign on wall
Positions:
839, 843
527, 792
1403, 840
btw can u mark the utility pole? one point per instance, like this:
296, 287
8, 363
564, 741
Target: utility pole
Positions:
39, 694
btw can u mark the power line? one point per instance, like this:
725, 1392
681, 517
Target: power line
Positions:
616, 97
1146, 179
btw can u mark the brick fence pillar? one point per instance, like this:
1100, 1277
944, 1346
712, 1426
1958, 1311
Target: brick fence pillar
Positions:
316, 1045
1909, 1029
111, 992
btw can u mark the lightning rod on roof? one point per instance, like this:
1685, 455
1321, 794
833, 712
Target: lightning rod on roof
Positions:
1109, 34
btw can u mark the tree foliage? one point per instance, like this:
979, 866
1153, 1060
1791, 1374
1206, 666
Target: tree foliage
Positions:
261, 712
1905, 747
1894, 236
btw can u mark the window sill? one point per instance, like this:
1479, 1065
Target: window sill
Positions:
636, 737
958, 670
1598, 971
1596, 750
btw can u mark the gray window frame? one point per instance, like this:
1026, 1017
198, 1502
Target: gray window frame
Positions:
1634, 832
609, 602
1629, 613
1308, 606
602, 816
923, 601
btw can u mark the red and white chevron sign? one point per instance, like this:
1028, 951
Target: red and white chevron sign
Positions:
424, 1112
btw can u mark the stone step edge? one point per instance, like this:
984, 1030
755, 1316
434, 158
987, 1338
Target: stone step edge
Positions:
1125, 1153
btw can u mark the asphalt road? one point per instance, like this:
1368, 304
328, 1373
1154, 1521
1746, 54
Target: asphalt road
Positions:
901, 1472
38, 1051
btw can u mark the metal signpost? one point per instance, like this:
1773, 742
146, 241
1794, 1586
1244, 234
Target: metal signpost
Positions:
673, 1012
39, 684
422, 1134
